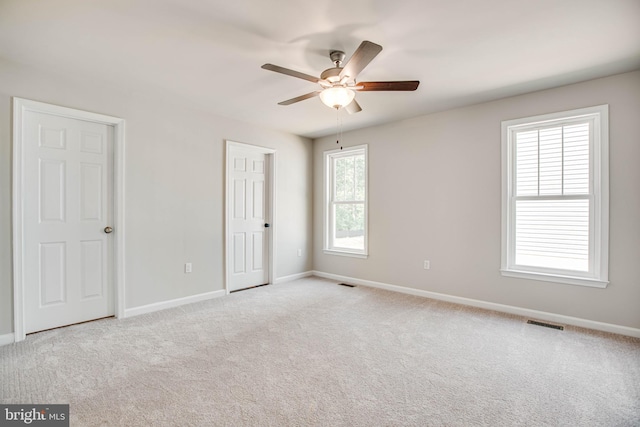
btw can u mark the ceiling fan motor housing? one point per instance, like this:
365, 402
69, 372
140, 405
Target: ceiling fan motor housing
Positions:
331, 74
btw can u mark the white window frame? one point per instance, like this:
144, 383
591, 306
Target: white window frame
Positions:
329, 247
598, 273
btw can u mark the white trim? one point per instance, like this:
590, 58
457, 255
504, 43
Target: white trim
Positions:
345, 253
118, 212
157, 306
17, 201
599, 210
519, 311
271, 207
20, 106
292, 277
7, 339
556, 278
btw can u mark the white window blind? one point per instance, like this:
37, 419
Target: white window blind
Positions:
555, 197
552, 197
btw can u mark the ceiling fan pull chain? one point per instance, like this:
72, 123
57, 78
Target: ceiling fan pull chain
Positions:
340, 121
338, 127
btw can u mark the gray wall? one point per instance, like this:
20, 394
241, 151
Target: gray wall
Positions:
434, 193
174, 170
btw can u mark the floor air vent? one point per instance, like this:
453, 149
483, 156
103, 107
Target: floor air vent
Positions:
347, 285
545, 324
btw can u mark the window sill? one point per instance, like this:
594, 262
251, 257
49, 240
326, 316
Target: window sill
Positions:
345, 253
546, 277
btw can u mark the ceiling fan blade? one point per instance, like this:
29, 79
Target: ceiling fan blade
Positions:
299, 98
360, 59
379, 86
353, 107
289, 72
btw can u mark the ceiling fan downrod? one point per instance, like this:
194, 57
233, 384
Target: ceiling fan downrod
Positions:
337, 57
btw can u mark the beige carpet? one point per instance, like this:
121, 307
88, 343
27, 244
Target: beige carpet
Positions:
311, 352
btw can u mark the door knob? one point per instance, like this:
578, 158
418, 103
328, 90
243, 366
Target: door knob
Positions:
108, 230
267, 225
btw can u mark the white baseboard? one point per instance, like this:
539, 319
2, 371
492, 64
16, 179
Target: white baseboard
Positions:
291, 277
150, 308
519, 311
7, 339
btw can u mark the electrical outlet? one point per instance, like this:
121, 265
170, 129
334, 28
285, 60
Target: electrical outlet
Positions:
299, 252
427, 264
188, 267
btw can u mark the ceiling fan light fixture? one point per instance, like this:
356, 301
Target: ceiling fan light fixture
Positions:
337, 97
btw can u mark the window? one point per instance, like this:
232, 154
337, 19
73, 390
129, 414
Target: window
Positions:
555, 201
346, 201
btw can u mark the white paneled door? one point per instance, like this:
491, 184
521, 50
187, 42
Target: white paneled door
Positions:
248, 195
68, 212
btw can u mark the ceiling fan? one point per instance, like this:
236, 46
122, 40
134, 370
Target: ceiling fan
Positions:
338, 84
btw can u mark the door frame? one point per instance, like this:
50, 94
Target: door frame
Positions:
271, 207
20, 107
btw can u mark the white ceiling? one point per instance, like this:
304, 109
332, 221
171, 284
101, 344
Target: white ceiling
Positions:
210, 51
